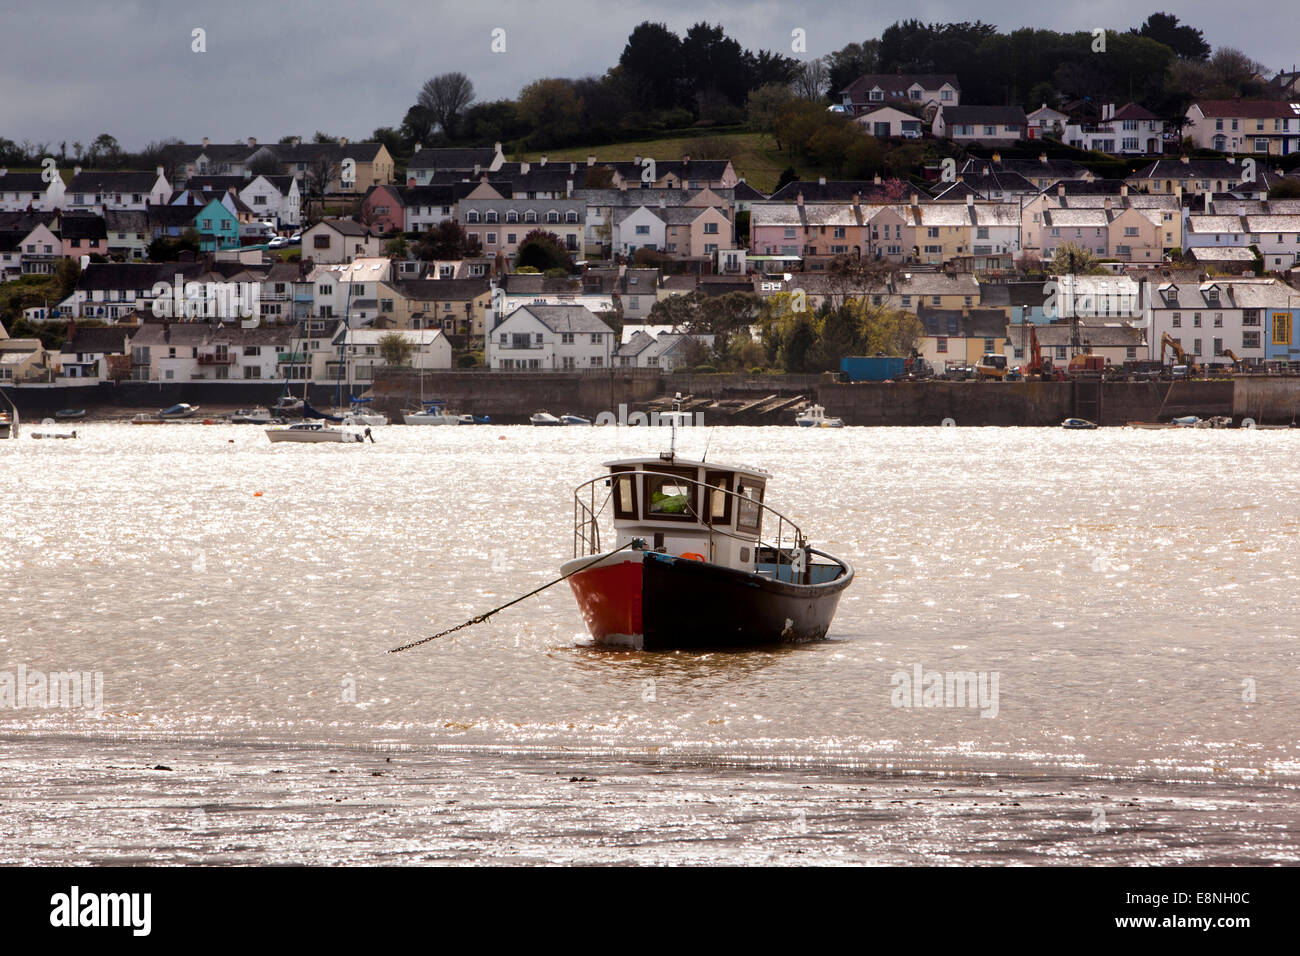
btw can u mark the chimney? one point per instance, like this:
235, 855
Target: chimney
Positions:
248, 174
159, 170
636, 160
997, 157
1232, 159
85, 261
876, 179
663, 202
542, 161
76, 170
343, 140
205, 141
418, 147
914, 199
821, 180
252, 141
1060, 190
1207, 204
970, 200
591, 159
686, 160
798, 199
1123, 189
1183, 160
1042, 158
622, 185
857, 200
523, 169
476, 168
573, 168
4, 171
568, 188
1105, 204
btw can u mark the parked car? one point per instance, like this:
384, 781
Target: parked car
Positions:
295, 239
279, 242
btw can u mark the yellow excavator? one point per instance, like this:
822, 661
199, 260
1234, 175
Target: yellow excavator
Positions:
1167, 341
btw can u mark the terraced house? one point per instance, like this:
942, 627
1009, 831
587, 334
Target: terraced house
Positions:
501, 224
1270, 127
1211, 318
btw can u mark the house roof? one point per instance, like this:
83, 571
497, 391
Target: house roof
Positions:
453, 159
843, 190
897, 85
114, 340
427, 290
1251, 109
695, 169
567, 318
135, 275
1192, 169
113, 181
161, 217
966, 323
744, 191
1101, 335
312, 152
348, 227
80, 225
1131, 111
23, 182
126, 220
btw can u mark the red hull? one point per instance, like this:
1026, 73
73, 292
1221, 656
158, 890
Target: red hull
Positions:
609, 598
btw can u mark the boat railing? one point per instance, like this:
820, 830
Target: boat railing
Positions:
788, 548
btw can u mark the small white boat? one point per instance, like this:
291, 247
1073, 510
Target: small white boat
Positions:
433, 413
316, 431
1078, 424
180, 410
252, 416
574, 420
70, 414
145, 418
814, 416
362, 417
544, 417
71, 434
474, 420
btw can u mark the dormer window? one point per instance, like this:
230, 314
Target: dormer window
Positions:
471, 216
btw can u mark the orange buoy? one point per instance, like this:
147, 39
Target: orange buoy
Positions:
691, 556
257, 494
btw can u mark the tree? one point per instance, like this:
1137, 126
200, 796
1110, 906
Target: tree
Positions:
1183, 40
1288, 188
713, 63
850, 62
446, 97
811, 82
764, 104
396, 248
396, 349
651, 64
322, 137
788, 176
104, 151
1072, 259
676, 311
543, 250
417, 125
555, 110
447, 240
317, 179
266, 164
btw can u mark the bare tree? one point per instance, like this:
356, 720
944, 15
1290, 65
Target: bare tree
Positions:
319, 176
445, 97
811, 80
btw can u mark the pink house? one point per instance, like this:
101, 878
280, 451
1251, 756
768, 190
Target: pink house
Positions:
82, 234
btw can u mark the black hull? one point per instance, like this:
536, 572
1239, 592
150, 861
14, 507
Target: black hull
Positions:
695, 605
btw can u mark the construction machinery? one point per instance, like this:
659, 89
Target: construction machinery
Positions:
1167, 341
991, 367
1039, 368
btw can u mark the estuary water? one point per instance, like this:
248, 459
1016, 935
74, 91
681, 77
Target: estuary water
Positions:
1125, 602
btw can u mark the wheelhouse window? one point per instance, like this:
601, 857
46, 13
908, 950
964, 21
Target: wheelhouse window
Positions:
749, 511
670, 496
719, 483
624, 493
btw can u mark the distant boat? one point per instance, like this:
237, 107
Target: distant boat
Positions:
70, 414
474, 420
574, 420
252, 416
1078, 424
543, 417
1187, 421
432, 412
1151, 425
145, 418
359, 414
315, 431
48, 434
181, 410
814, 416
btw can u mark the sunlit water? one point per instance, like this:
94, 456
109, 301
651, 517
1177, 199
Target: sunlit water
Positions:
1133, 592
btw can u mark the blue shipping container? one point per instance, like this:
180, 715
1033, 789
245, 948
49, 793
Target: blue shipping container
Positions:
871, 368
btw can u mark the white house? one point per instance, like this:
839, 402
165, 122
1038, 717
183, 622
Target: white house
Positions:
657, 347
551, 337
980, 124
97, 190
1130, 130
363, 355
333, 241
1210, 318
274, 198
20, 191
41, 250
887, 121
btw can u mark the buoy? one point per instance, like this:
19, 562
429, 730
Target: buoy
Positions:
691, 556
501, 438
257, 494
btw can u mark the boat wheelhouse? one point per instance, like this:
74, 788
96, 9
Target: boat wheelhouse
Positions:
698, 560
815, 417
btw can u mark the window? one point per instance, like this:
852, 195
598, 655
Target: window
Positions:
1060, 351
595, 338
1177, 320
789, 232
530, 216
511, 239
711, 229
1281, 328
749, 513
1196, 320
572, 217
932, 232
624, 492
1218, 320
941, 344
566, 338
1250, 340
322, 241
1250, 317
491, 216
1131, 352
982, 232
552, 216
471, 216
512, 216
491, 238
597, 361
643, 230
1196, 343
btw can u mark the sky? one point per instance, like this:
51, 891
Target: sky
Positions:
72, 69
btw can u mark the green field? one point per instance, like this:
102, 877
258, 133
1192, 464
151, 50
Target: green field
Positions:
754, 155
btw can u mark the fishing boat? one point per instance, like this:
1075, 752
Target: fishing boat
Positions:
433, 412
474, 420
179, 410
543, 417
317, 431
814, 416
574, 420
70, 414
1078, 424
698, 560
252, 416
